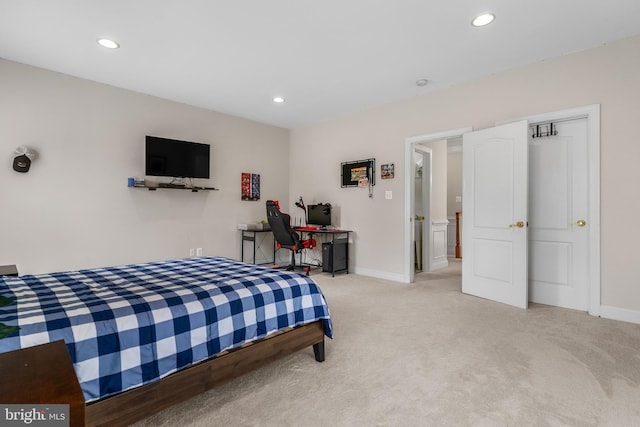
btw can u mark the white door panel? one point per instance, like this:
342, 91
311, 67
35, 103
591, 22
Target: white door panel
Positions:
558, 198
493, 178
494, 201
555, 257
549, 184
489, 260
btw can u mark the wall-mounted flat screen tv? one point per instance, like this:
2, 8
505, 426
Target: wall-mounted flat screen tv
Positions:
174, 158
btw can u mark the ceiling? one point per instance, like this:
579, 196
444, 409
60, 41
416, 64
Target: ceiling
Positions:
326, 58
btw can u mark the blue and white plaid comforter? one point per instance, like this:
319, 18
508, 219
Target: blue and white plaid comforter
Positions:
130, 325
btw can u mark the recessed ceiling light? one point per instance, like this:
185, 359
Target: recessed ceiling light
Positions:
278, 99
422, 82
482, 20
109, 44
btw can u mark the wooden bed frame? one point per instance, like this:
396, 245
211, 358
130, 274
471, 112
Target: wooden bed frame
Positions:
133, 405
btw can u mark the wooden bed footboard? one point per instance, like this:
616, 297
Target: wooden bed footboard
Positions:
133, 405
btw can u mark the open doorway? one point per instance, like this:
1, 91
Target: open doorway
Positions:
422, 165
444, 182
434, 225
454, 199
452, 190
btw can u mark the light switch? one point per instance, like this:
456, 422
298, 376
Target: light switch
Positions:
458, 199
388, 195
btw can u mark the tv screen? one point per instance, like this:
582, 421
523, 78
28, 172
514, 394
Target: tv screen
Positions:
174, 158
319, 214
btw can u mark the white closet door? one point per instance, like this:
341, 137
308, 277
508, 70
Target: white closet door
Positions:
558, 217
494, 265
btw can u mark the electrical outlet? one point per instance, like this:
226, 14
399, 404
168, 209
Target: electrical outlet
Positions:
192, 252
199, 252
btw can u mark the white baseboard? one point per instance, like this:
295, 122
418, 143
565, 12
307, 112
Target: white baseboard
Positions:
438, 264
378, 274
622, 314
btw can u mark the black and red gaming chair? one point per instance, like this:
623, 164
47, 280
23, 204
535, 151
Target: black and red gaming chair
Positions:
284, 236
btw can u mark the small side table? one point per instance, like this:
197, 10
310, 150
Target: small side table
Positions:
8, 270
42, 374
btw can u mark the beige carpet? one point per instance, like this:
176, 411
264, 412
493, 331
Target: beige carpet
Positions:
427, 355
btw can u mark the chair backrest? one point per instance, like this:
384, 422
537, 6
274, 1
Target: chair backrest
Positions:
280, 224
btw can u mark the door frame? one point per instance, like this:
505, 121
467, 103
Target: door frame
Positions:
409, 188
592, 114
427, 187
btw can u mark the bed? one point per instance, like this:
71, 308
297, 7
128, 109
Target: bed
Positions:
137, 333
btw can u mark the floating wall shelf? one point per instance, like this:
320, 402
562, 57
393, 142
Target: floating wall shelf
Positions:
192, 189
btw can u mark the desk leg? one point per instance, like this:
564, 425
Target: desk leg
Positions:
333, 255
347, 254
255, 236
242, 245
246, 237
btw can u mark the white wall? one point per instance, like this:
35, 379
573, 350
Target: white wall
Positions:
606, 75
439, 180
73, 208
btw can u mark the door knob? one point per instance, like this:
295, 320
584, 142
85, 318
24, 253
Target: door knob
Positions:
580, 223
518, 224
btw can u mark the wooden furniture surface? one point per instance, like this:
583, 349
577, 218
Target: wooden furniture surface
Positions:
133, 405
8, 270
42, 374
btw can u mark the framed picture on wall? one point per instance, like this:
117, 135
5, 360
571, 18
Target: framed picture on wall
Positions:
386, 171
250, 186
358, 173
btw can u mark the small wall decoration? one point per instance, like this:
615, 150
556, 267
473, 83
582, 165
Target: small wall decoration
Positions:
361, 176
250, 184
387, 171
360, 173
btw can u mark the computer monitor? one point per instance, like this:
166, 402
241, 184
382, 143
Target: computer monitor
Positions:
319, 214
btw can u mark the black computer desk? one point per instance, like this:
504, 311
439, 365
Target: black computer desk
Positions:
252, 236
335, 252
